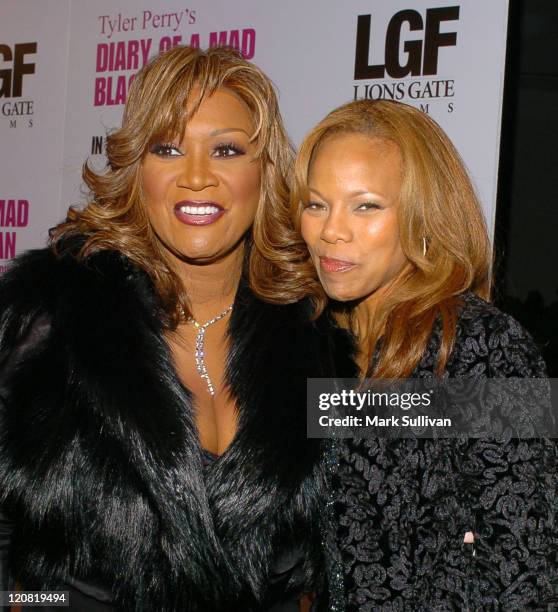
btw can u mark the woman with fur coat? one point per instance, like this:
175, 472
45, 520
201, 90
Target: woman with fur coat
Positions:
153, 365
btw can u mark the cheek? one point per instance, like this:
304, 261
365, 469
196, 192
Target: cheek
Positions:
156, 185
383, 250
380, 236
152, 182
245, 188
309, 229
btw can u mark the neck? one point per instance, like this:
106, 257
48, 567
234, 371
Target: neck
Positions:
365, 315
211, 287
366, 312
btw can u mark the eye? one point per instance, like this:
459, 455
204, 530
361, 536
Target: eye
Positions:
314, 206
227, 149
165, 150
368, 206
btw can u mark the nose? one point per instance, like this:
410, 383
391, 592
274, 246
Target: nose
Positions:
336, 227
196, 172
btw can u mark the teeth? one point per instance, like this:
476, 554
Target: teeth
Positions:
199, 210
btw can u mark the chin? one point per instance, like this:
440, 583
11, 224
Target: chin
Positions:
340, 294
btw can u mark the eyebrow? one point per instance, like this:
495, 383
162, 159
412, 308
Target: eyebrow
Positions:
226, 130
316, 192
352, 194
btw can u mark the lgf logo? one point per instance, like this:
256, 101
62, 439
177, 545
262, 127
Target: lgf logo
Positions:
11, 79
422, 55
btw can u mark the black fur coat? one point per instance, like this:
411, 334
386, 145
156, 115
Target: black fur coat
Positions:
100, 463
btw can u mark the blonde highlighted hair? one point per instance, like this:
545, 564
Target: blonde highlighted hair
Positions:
442, 233
115, 218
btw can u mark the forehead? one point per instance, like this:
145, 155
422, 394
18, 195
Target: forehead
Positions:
355, 155
218, 110
223, 108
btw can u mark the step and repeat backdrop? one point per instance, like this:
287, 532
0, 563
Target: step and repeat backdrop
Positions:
66, 66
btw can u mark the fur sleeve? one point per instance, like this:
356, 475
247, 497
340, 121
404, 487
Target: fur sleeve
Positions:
22, 330
24, 291
6, 529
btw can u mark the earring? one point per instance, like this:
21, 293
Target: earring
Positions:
424, 246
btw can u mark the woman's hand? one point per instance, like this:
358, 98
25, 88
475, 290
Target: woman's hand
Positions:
306, 602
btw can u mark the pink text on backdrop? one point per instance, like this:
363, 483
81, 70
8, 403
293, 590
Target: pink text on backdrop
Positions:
149, 20
13, 213
167, 20
7, 245
133, 54
110, 91
123, 55
242, 40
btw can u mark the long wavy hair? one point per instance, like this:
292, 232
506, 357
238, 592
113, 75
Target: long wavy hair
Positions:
442, 233
115, 217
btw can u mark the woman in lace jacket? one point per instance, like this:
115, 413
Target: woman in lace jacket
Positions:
395, 233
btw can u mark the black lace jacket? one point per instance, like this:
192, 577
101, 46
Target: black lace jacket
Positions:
402, 507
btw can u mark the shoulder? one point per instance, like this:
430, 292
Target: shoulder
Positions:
490, 342
26, 294
42, 284
36, 275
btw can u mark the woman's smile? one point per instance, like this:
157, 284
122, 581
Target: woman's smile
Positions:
333, 265
198, 213
350, 222
202, 189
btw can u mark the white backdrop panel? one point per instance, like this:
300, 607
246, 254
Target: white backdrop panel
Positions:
33, 68
446, 57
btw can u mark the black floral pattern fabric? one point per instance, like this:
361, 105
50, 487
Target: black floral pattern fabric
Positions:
403, 506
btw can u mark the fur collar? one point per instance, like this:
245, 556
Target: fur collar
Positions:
99, 453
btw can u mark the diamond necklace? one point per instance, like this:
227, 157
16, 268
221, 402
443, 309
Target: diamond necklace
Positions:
200, 346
